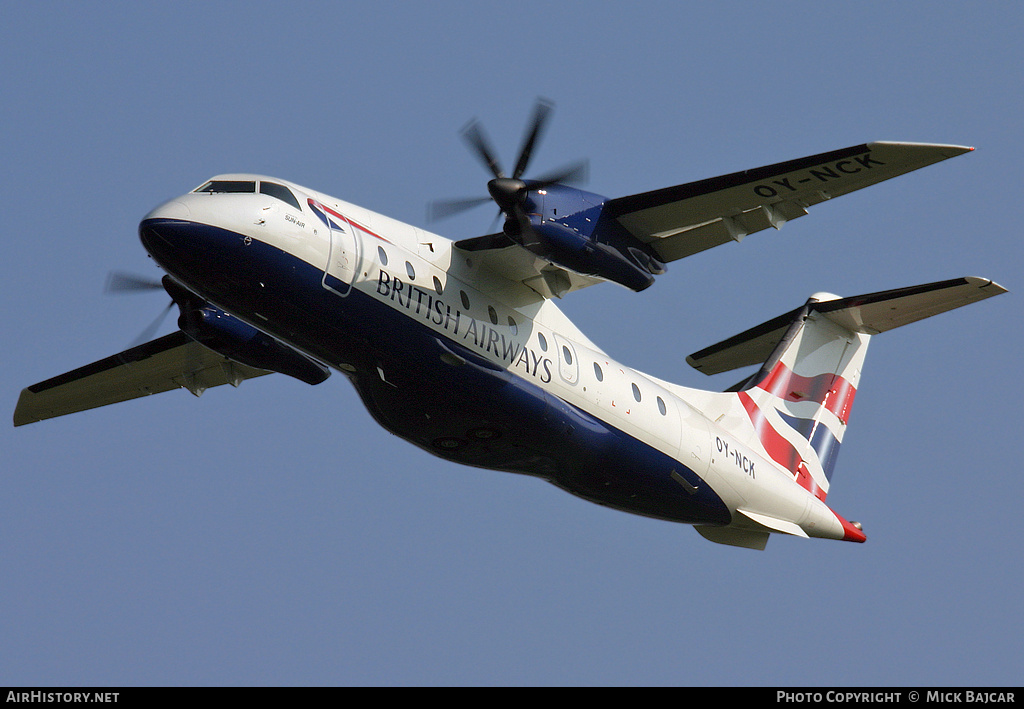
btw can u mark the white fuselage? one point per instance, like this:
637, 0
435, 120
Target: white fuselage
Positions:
423, 278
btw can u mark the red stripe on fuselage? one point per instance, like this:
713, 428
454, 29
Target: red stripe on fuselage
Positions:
353, 222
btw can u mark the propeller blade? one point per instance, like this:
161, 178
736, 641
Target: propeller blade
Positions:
497, 218
473, 134
122, 282
569, 174
443, 208
147, 334
536, 129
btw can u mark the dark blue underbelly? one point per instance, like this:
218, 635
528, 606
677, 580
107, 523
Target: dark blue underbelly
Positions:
435, 393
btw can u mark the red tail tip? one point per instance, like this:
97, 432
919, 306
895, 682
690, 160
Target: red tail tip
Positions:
852, 531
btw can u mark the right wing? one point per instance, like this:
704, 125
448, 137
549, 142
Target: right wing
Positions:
166, 363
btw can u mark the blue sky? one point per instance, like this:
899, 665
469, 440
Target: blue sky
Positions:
274, 535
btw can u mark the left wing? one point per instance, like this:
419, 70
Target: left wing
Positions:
502, 256
686, 219
166, 363
680, 221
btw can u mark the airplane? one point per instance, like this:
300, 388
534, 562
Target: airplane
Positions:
459, 347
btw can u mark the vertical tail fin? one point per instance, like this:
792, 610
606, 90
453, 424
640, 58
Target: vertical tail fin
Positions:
799, 401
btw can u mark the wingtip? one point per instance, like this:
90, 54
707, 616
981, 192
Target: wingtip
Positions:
21, 415
986, 285
948, 149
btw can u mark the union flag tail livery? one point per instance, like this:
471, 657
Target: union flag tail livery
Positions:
799, 404
793, 412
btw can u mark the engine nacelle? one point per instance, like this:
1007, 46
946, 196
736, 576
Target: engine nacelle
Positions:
566, 247
227, 335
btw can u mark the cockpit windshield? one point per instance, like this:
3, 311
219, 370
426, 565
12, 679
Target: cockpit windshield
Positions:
271, 189
234, 186
280, 191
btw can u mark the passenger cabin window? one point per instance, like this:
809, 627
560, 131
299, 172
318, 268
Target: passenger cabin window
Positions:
228, 186
280, 192
382, 255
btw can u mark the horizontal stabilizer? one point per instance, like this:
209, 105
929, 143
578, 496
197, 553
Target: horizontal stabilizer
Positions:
869, 314
163, 364
880, 312
748, 348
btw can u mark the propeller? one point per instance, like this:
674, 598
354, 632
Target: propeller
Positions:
121, 282
148, 334
509, 193
124, 282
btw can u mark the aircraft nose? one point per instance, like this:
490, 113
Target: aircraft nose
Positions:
175, 209
187, 242
171, 236
162, 237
